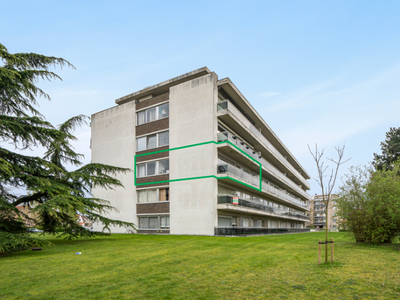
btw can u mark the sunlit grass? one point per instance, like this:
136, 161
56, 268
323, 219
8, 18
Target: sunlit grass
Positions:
196, 267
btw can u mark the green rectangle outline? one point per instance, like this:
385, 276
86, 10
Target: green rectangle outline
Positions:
200, 177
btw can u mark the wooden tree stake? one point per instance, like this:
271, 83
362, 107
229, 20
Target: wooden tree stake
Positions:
331, 249
319, 252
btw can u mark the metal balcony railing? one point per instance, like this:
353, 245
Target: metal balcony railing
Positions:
227, 136
238, 173
243, 231
261, 206
248, 178
226, 105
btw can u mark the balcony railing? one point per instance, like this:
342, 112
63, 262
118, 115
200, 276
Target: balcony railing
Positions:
238, 173
227, 136
262, 207
243, 231
226, 168
226, 105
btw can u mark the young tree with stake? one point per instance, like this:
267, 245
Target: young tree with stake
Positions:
327, 188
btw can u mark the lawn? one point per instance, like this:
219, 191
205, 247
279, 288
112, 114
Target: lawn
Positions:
197, 267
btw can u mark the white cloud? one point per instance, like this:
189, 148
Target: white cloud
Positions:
269, 94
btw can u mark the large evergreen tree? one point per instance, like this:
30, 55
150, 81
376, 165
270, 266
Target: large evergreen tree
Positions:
390, 150
52, 192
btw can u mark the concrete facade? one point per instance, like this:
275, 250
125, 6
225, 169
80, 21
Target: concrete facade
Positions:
202, 176
113, 143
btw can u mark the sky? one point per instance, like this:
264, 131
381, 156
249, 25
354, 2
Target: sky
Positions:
318, 72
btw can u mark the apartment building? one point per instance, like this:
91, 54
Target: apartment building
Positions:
204, 161
317, 213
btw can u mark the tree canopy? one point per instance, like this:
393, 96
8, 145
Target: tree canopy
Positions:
369, 204
390, 150
53, 193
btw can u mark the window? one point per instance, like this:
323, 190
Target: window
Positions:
164, 220
152, 141
141, 117
163, 111
153, 168
153, 195
163, 194
141, 170
154, 222
153, 114
163, 138
141, 144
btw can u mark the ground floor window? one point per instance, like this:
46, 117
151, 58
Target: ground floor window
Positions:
257, 223
154, 222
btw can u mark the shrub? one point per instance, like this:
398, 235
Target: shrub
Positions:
370, 204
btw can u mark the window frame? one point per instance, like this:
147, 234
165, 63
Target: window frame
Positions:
157, 168
157, 117
158, 227
158, 195
146, 140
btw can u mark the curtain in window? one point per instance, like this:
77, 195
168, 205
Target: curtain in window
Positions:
141, 170
151, 114
143, 222
164, 220
163, 138
151, 141
142, 196
152, 195
141, 117
153, 222
163, 195
141, 144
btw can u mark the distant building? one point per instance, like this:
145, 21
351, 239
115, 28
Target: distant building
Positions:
29, 219
85, 221
317, 213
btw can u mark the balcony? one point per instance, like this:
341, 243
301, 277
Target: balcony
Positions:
224, 107
244, 231
254, 180
261, 206
238, 174
227, 136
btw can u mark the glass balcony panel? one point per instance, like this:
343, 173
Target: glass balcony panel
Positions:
222, 105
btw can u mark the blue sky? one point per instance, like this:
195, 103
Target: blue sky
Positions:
325, 72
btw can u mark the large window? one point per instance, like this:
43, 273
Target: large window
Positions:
153, 114
152, 141
154, 222
153, 195
153, 168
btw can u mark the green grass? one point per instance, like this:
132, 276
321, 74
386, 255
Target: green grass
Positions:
190, 267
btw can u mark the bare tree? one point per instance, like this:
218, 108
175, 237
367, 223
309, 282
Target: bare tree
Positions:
328, 187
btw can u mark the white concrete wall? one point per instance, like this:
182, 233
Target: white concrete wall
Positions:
113, 143
193, 120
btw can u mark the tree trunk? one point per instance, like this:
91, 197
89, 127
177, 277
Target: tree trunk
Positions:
326, 230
